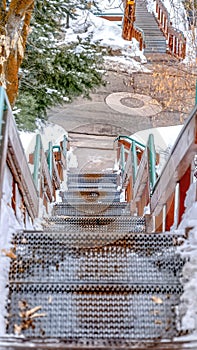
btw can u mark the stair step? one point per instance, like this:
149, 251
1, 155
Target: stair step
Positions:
91, 209
120, 286
96, 225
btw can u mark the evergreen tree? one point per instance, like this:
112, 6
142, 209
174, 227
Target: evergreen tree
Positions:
53, 72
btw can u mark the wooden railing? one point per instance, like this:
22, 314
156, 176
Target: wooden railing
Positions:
43, 184
175, 177
175, 38
129, 29
164, 194
12, 154
138, 34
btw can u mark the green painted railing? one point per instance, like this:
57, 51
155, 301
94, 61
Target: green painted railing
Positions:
131, 139
132, 166
50, 158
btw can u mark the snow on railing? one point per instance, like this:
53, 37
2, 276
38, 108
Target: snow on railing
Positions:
25, 188
175, 38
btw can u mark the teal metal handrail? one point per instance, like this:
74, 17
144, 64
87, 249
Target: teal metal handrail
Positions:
130, 139
132, 165
50, 159
57, 147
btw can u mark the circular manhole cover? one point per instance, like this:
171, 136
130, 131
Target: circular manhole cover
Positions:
132, 102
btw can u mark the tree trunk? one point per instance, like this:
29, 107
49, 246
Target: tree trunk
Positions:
13, 38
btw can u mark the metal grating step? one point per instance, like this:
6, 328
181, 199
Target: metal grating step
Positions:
92, 178
93, 276
72, 258
102, 312
91, 209
95, 224
93, 195
85, 186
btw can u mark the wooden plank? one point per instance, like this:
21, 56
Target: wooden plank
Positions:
3, 152
183, 188
141, 178
181, 156
159, 222
144, 200
112, 17
23, 175
127, 172
19, 180
170, 211
45, 173
125, 143
56, 178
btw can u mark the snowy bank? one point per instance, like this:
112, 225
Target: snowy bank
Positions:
187, 310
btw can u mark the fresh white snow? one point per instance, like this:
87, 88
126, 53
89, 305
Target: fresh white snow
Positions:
187, 310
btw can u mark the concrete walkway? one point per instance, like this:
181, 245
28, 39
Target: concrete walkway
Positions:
114, 109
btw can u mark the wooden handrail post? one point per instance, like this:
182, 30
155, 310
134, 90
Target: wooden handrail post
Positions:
170, 206
122, 158
134, 160
152, 161
184, 184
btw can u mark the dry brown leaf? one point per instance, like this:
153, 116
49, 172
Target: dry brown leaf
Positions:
17, 329
9, 253
158, 322
30, 312
157, 300
155, 312
36, 315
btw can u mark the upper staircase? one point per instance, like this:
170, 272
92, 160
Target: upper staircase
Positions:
153, 30
154, 39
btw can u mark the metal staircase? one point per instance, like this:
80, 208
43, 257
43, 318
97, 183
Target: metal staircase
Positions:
154, 39
93, 277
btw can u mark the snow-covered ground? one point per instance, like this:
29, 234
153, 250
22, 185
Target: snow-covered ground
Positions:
109, 35
187, 310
